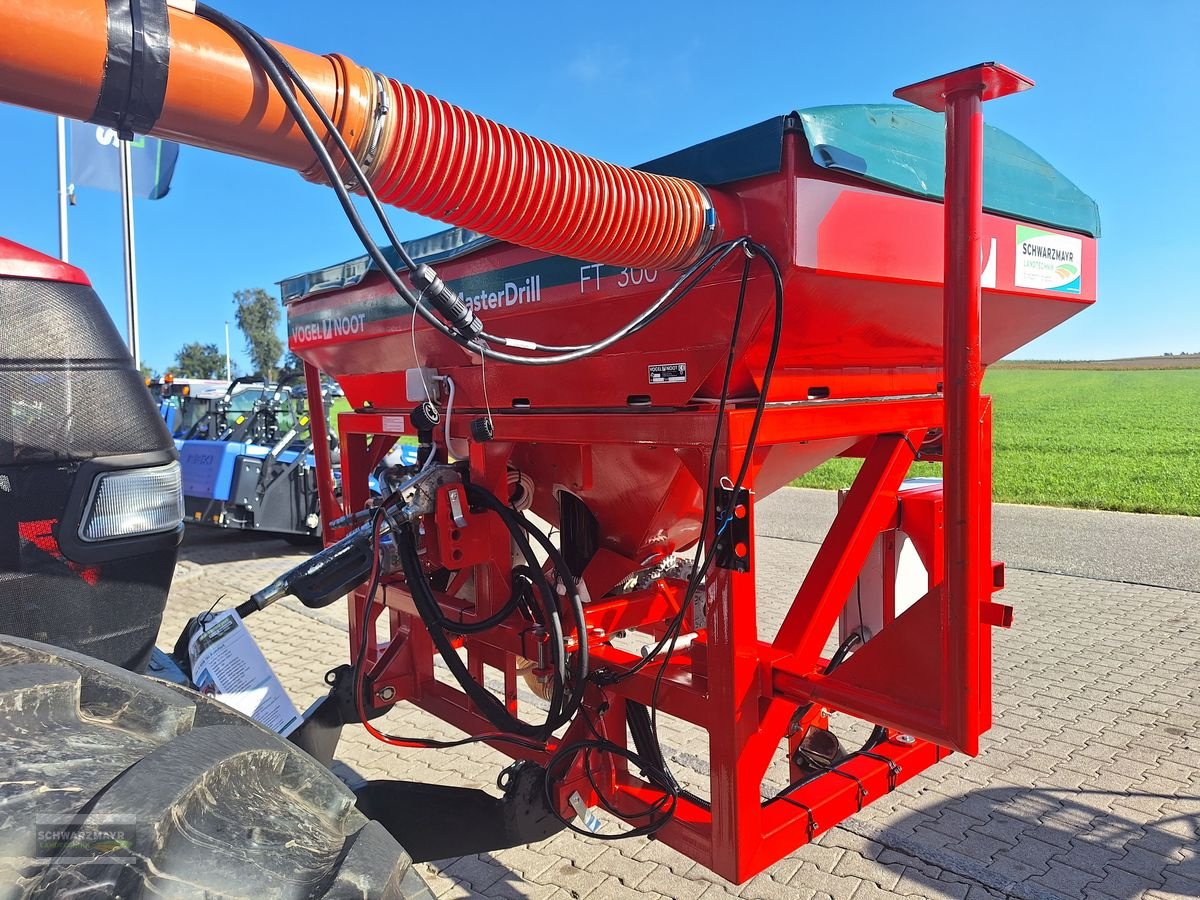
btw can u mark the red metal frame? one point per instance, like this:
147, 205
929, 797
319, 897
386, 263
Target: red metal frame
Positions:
925, 675
743, 690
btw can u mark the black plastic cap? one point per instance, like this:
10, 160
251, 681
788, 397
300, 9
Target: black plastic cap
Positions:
425, 417
482, 430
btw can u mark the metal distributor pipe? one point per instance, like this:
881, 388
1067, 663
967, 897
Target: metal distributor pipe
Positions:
418, 152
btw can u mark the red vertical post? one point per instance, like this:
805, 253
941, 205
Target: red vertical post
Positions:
735, 690
961, 96
962, 377
319, 429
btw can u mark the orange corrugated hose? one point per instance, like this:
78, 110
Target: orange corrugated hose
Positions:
420, 153
452, 165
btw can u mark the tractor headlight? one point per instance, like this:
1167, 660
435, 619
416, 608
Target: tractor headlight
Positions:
130, 502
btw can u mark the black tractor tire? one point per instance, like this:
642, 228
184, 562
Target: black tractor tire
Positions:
119, 785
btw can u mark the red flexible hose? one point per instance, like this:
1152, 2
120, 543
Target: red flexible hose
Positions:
454, 166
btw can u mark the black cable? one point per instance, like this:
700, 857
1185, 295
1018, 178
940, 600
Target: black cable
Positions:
693, 582
335, 133
657, 777
661, 775
358, 673
480, 496
689, 280
570, 586
677, 622
843, 650
489, 705
699, 572
481, 625
608, 805
435, 623
751, 442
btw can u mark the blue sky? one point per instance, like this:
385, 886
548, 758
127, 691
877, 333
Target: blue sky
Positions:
1114, 109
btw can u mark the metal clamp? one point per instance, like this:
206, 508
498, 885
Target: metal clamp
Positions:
893, 767
812, 822
862, 791
454, 496
375, 138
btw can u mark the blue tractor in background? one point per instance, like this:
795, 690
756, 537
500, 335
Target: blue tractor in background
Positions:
247, 461
187, 404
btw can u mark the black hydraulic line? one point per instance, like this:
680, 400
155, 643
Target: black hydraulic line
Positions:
669, 783
476, 342
360, 660
487, 703
481, 625
649, 315
660, 779
485, 498
676, 623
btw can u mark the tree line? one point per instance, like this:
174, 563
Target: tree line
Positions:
257, 315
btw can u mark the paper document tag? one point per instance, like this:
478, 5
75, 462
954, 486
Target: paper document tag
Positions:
227, 665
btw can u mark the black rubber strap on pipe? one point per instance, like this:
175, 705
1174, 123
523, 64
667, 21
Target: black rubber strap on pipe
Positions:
136, 61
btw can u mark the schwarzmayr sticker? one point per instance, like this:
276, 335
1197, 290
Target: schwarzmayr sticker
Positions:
1048, 261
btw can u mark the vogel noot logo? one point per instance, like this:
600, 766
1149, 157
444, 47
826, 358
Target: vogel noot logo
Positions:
1048, 261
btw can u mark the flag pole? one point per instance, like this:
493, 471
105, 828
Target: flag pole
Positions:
131, 302
228, 367
63, 253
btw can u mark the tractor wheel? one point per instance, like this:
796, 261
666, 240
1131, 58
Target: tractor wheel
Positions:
118, 785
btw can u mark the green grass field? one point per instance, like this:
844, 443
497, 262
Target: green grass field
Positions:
1093, 438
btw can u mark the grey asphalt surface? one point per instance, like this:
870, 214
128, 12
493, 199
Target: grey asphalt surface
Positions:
1162, 551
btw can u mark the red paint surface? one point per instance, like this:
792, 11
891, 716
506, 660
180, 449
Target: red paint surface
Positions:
19, 261
40, 533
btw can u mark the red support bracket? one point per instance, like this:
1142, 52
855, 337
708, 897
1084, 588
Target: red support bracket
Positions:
987, 81
869, 507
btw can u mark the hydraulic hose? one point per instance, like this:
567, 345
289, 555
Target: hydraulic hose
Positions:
420, 153
486, 702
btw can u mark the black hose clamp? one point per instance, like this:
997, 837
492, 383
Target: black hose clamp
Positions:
136, 60
812, 822
862, 791
894, 769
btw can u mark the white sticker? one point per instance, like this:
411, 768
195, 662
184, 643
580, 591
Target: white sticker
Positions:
668, 373
1048, 261
987, 277
393, 424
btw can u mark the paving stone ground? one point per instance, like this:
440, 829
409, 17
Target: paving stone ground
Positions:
1088, 785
